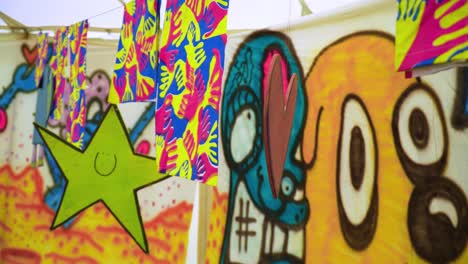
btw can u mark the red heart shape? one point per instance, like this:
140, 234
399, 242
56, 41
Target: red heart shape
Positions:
278, 117
29, 54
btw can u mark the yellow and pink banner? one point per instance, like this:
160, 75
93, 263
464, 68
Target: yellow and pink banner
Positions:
41, 60
191, 66
134, 77
76, 120
58, 64
431, 35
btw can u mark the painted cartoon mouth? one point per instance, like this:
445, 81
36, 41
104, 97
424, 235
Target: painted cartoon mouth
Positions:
256, 238
282, 244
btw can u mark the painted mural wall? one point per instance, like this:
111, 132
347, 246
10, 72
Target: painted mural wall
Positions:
374, 164
327, 156
30, 193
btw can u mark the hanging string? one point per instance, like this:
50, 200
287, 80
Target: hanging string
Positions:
54, 28
103, 13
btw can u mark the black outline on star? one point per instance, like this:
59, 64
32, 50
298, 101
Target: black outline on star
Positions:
122, 124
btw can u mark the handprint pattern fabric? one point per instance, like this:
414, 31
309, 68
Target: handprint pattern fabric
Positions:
59, 63
41, 59
76, 119
134, 78
191, 61
431, 33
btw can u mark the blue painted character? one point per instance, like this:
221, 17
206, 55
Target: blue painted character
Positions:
261, 227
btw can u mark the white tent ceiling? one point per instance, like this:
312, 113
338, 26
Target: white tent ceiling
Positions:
108, 13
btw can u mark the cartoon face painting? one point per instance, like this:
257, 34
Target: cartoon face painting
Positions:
262, 224
385, 159
382, 155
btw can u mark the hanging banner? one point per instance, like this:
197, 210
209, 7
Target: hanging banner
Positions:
431, 36
191, 61
43, 103
41, 59
58, 64
134, 77
76, 120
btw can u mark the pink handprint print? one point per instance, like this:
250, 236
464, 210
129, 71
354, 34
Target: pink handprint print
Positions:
192, 100
197, 7
214, 85
204, 126
205, 169
168, 57
168, 158
439, 37
163, 116
190, 145
214, 14
192, 60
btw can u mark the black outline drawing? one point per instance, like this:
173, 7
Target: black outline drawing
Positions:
104, 174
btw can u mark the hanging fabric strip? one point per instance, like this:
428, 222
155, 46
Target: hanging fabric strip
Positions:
41, 59
76, 120
431, 36
191, 61
43, 104
59, 63
134, 77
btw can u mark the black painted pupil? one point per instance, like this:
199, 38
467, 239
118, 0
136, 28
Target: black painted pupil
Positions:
419, 128
357, 157
99, 89
248, 115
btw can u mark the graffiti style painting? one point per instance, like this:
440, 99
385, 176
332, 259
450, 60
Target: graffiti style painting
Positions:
190, 73
369, 166
22, 81
431, 33
76, 119
374, 170
134, 77
263, 227
31, 196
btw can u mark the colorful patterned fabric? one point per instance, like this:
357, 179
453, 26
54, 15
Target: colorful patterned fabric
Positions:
58, 64
190, 72
76, 120
134, 77
41, 59
43, 103
431, 33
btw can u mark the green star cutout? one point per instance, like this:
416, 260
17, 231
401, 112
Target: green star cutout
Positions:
108, 170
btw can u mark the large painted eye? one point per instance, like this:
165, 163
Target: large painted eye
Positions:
357, 174
243, 134
241, 128
438, 210
420, 133
287, 186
